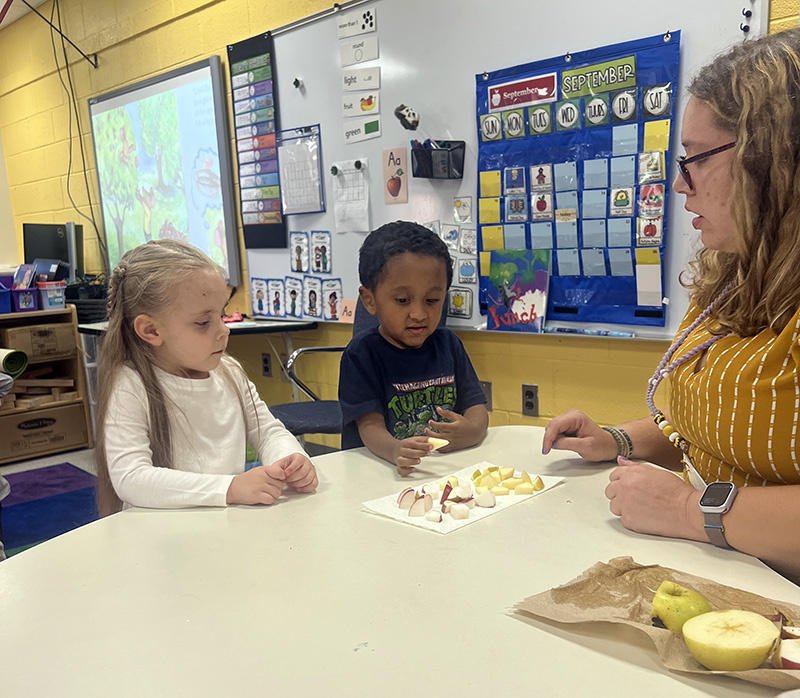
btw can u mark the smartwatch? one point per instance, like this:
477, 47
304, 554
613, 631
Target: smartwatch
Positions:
717, 500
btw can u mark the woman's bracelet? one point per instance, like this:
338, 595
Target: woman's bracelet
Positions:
624, 443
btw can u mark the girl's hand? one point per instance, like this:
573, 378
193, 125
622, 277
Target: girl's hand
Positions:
261, 485
652, 500
574, 431
299, 472
408, 452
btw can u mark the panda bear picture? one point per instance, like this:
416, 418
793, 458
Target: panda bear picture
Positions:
407, 117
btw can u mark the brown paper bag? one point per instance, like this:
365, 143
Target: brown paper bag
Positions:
621, 591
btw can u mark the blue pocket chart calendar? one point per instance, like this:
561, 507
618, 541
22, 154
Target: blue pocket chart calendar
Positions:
601, 121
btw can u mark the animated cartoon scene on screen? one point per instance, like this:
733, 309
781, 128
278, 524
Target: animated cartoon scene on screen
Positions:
553, 197
163, 164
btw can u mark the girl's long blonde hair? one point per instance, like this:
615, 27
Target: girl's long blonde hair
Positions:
753, 91
143, 282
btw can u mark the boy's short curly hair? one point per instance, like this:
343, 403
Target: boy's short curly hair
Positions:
396, 238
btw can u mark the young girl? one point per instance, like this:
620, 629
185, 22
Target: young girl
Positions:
174, 411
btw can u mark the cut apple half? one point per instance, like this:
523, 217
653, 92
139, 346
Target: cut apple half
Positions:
406, 498
437, 443
730, 640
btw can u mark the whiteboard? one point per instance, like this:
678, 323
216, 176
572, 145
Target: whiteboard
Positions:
429, 54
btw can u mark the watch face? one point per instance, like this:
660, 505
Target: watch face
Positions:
716, 494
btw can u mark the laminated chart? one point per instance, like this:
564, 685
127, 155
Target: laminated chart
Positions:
573, 157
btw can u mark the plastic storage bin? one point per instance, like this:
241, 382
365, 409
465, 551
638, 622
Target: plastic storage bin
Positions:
5, 299
51, 294
25, 300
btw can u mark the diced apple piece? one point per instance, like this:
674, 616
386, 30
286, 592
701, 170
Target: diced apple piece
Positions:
480, 489
512, 482
492, 469
486, 499
406, 498
446, 490
434, 515
524, 488
437, 443
459, 511
489, 480
525, 477
788, 655
470, 502
791, 632
476, 475
431, 489
461, 492
538, 484
506, 473
499, 490
418, 508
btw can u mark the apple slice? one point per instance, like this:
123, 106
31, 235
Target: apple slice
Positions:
459, 511
418, 508
428, 500
469, 501
730, 640
446, 490
477, 475
538, 484
506, 473
788, 655
486, 499
480, 489
512, 482
489, 480
461, 492
434, 515
437, 443
790, 632
499, 490
406, 498
524, 488
525, 477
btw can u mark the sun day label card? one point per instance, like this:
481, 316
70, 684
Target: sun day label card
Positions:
387, 506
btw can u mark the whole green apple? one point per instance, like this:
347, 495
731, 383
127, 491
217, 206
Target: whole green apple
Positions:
674, 604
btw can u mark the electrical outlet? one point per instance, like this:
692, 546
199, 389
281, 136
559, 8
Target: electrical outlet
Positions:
530, 400
487, 391
266, 365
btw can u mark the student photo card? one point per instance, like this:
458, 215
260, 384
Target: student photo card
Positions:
298, 251
312, 296
259, 299
277, 296
331, 299
321, 247
294, 297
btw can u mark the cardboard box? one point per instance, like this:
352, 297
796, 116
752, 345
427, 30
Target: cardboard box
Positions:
27, 434
40, 341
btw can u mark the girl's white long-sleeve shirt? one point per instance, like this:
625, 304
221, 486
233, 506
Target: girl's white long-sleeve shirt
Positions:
209, 437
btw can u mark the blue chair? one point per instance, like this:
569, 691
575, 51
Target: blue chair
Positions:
322, 416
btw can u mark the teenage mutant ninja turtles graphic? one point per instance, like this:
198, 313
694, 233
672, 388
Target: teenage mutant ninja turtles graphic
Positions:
414, 404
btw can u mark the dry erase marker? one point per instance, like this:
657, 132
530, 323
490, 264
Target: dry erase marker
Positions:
594, 333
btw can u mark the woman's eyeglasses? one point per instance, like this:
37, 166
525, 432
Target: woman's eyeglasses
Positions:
683, 161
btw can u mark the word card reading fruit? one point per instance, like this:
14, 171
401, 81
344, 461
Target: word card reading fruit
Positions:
462, 498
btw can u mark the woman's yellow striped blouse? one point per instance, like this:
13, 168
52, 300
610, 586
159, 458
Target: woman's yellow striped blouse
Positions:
739, 411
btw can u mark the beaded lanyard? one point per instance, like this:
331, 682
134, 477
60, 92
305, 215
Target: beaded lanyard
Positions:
666, 367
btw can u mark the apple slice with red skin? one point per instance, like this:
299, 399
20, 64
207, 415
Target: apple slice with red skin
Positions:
406, 498
788, 655
790, 632
418, 507
448, 488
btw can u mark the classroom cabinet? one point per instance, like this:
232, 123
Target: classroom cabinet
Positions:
49, 411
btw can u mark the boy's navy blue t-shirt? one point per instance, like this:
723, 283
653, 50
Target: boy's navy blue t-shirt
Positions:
404, 385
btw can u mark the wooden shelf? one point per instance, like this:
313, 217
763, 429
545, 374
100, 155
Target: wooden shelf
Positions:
56, 426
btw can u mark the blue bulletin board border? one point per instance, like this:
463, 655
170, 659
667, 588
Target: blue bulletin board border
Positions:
608, 293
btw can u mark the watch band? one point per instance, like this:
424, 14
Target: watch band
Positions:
715, 530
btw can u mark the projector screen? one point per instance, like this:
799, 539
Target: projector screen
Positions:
164, 164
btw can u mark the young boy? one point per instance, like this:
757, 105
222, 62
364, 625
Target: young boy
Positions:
408, 378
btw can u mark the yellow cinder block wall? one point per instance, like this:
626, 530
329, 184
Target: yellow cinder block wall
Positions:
136, 39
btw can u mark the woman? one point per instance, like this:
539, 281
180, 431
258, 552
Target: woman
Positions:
734, 401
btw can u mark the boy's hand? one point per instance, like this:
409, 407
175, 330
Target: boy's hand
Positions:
299, 472
261, 485
460, 431
408, 452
